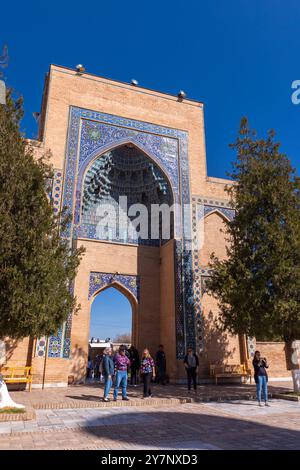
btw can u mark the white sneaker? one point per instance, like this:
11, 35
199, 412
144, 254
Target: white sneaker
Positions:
260, 403
267, 404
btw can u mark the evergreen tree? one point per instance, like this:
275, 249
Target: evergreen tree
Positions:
258, 286
37, 267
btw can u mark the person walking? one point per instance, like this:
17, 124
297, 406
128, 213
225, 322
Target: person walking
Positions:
260, 365
147, 371
135, 364
161, 365
191, 364
122, 363
108, 370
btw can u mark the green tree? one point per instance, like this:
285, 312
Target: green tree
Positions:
122, 338
37, 266
258, 286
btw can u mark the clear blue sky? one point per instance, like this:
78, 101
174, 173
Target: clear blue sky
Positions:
237, 56
110, 314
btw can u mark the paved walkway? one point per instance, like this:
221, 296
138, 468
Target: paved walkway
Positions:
82, 396
222, 425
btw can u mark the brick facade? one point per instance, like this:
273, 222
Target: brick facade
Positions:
275, 354
79, 109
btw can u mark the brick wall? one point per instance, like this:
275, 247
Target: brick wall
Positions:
55, 372
18, 352
275, 354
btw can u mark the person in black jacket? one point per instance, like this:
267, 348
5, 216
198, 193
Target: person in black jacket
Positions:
135, 364
108, 369
260, 365
191, 364
161, 365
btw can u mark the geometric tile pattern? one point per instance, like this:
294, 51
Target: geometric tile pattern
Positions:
99, 280
58, 344
179, 302
40, 350
184, 299
67, 332
90, 136
199, 332
57, 189
251, 345
227, 213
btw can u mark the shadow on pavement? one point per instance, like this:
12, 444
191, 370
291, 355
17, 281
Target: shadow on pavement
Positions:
161, 428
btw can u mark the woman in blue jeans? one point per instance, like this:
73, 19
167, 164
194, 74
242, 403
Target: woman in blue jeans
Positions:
121, 367
260, 365
108, 370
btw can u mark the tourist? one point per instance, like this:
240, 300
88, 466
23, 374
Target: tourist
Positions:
98, 360
89, 368
121, 367
108, 369
147, 372
125, 347
135, 364
191, 364
260, 365
161, 365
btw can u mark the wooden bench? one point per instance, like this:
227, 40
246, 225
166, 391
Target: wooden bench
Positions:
230, 371
17, 374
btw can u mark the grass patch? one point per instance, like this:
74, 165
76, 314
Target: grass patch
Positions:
295, 394
12, 410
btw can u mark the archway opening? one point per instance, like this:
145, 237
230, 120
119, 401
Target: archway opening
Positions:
111, 324
128, 173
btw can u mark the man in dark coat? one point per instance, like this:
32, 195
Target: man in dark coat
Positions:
161, 365
135, 364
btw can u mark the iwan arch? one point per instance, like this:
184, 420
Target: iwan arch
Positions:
109, 139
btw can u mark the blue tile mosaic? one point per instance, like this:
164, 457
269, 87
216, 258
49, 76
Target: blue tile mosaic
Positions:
56, 344
167, 148
100, 280
59, 344
40, 350
251, 345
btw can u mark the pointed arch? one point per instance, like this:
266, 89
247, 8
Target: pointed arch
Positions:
218, 212
131, 299
99, 180
121, 288
113, 146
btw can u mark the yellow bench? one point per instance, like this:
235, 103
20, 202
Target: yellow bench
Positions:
230, 371
17, 374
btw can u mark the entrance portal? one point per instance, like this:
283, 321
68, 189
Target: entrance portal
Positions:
111, 324
111, 317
